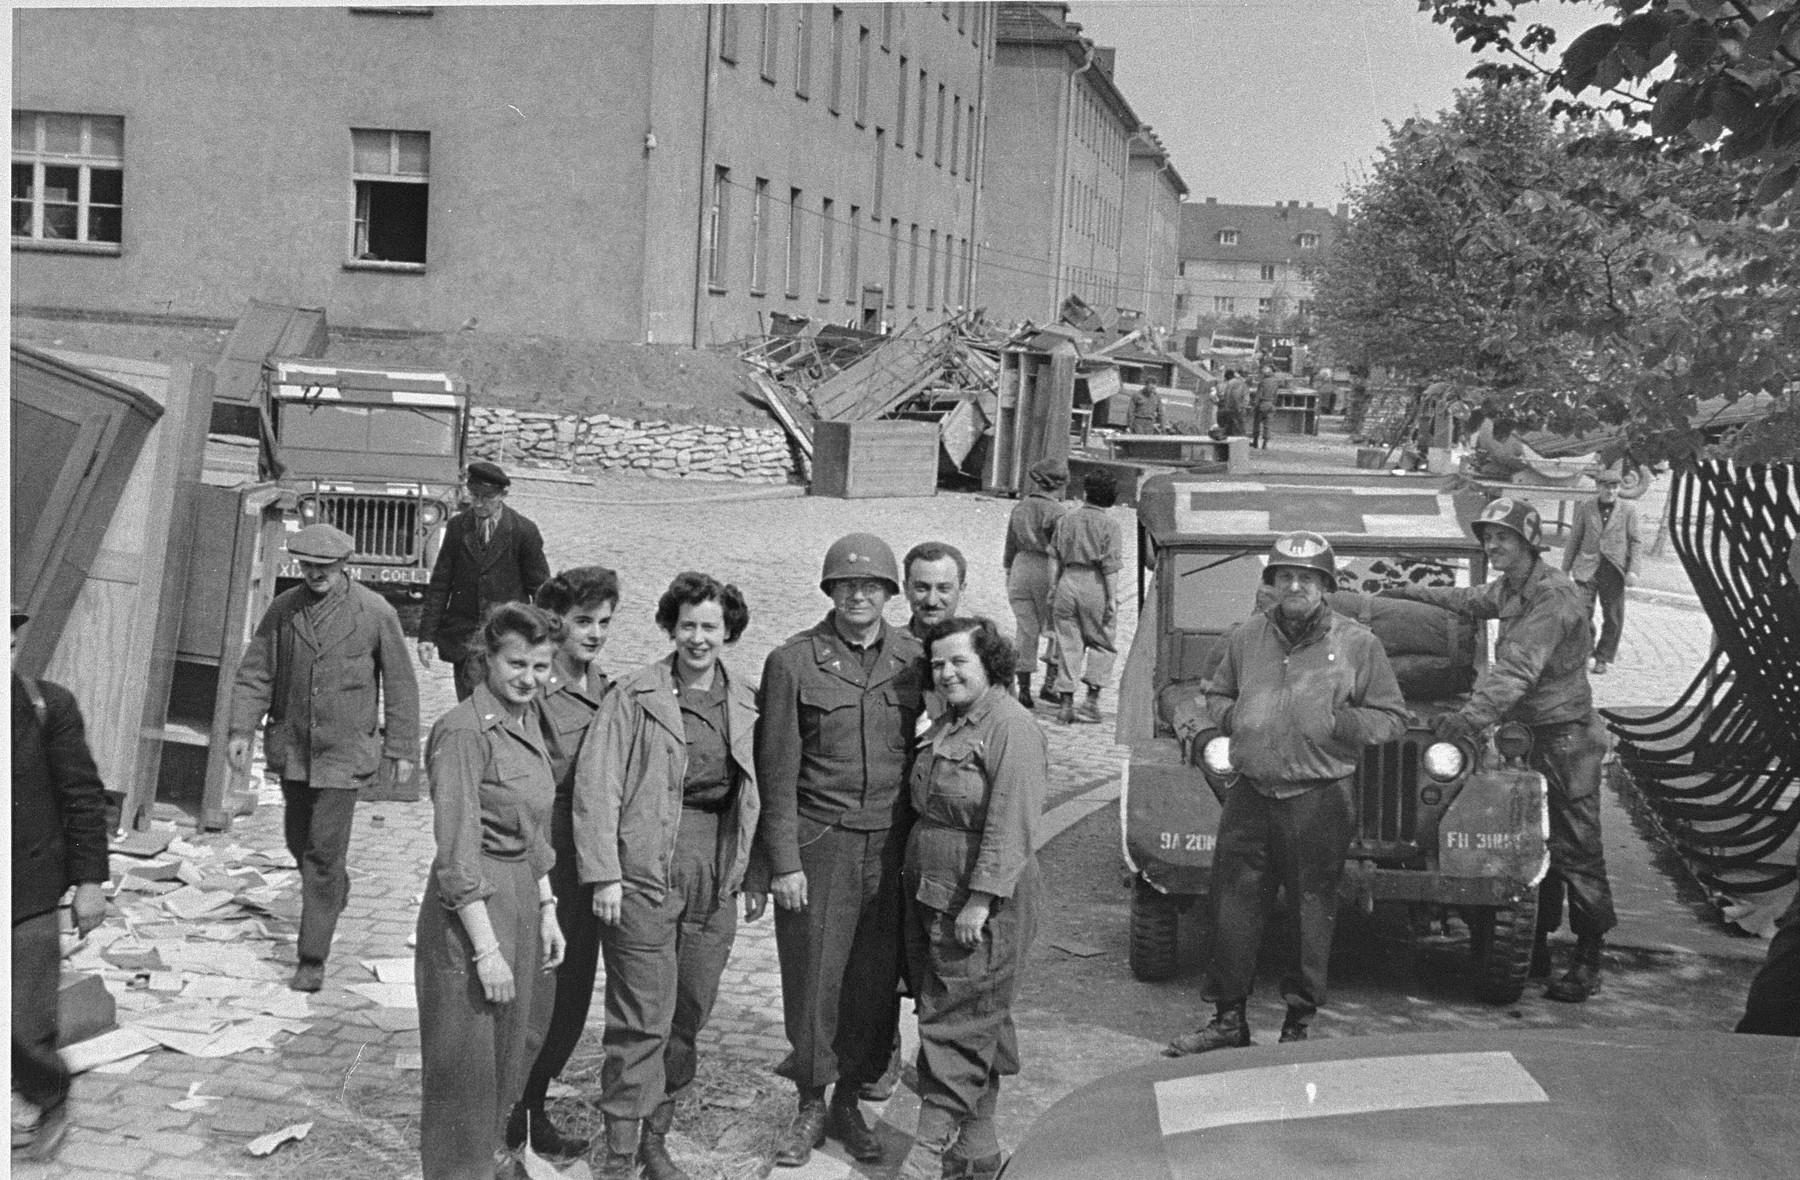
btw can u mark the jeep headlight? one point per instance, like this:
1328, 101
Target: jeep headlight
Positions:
1445, 760
430, 513
309, 509
1216, 754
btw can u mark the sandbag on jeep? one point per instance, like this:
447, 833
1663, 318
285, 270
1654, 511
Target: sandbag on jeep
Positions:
1432, 649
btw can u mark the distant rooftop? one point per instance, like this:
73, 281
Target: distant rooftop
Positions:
1211, 232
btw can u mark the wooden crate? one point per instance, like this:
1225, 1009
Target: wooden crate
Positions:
866, 460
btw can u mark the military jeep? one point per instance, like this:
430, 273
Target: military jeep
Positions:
1442, 828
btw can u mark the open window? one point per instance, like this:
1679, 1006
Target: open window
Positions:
392, 172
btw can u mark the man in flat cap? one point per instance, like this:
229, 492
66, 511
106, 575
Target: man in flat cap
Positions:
490, 555
319, 657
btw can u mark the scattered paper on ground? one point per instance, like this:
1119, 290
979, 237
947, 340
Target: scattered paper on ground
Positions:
264, 1144
412, 1060
388, 995
391, 970
112, 1046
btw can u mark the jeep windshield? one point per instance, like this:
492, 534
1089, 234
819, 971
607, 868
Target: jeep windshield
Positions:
388, 430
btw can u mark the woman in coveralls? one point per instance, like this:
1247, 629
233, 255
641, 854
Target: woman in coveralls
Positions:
665, 812
487, 931
971, 883
583, 600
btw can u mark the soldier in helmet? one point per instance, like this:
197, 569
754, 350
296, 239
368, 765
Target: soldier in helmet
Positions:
839, 704
1538, 677
318, 656
1299, 692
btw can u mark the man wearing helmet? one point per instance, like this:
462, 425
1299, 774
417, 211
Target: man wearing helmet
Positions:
1538, 677
833, 747
1300, 691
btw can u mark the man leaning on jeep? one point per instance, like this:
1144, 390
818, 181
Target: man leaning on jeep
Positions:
1300, 691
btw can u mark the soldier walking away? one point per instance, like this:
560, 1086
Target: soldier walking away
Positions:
319, 658
582, 602
1300, 692
1088, 553
490, 555
1605, 542
1538, 677
1232, 397
1147, 409
1266, 390
1026, 559
58, 841
834, 742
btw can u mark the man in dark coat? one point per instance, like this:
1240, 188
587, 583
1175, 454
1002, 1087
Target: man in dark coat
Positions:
58, 840
318, 656
839, 703
490, 555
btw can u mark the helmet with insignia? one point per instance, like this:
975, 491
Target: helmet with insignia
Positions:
1518, 515
320, 544
860, 555
1303, 551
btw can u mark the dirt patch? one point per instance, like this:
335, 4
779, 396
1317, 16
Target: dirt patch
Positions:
650, 382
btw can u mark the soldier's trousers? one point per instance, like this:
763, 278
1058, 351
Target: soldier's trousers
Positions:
663, 963
476, 1054
840, 957
1080, 608
1773, 1005
316, 822
1295, 844
1569, 756
1028, 591
565, 1006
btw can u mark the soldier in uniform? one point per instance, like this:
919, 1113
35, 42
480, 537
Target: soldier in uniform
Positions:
490, 555
1026, 559
838, 704
1088, 553
1147, 409
1300, 691
314, 666
1538, 677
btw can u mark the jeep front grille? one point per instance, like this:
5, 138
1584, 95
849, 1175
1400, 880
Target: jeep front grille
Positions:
1387, 793
386, 528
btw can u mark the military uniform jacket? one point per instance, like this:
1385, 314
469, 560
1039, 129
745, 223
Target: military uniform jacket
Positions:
319, 690
629, 778
470, 577
833, 743
58, 802
1032, 526
1538, 675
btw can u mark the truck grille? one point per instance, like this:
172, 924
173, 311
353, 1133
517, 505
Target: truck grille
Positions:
386, 528
1387, 793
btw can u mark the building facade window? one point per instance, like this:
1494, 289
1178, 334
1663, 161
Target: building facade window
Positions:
1228, 237
768, 56
803, 52
955, 131
1304, 307
1268, 272
393, 192
1224, 304
969, 150
900, 105
931, 272
759, 232
862, 77
912, 268
880, 173
718, 219
68, 178
836, 94
887, 27
924, 92
893, 273
853, 260
1309, 241
796, 245
949, 270
827, 245
937, 150
728, 33
1264, 306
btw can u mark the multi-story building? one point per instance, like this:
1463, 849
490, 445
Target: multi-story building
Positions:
653, 172
1059, 152
1150, 253
1250, 261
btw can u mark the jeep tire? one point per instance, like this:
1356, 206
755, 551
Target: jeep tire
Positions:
1155, 936
1500, 948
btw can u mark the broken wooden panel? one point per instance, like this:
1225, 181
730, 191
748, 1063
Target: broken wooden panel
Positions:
961, 429
881, 380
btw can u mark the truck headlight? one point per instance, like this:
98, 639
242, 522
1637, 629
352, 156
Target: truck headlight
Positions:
1216, 754
1444, 760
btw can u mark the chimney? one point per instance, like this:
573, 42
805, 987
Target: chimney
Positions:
1309, 204
1212, 200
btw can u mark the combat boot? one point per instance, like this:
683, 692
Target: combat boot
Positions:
1089, 713
619, 1158
844, 1122
653, 1147
1293, 1028
1047, 694
1065, 708
1025, 690
1228, 1029
1583, 977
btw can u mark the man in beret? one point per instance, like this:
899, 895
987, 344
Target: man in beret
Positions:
319, 656
490, 555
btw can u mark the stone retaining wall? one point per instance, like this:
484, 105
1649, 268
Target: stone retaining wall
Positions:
601, 442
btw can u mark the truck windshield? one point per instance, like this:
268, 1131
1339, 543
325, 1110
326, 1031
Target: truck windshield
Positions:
393, 430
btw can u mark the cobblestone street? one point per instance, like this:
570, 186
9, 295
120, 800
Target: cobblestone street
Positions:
769, 542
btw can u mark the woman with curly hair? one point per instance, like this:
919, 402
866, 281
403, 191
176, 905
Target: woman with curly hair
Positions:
971, 882
487, 930
665, 811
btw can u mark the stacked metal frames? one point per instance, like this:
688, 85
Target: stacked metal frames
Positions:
1721, 766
